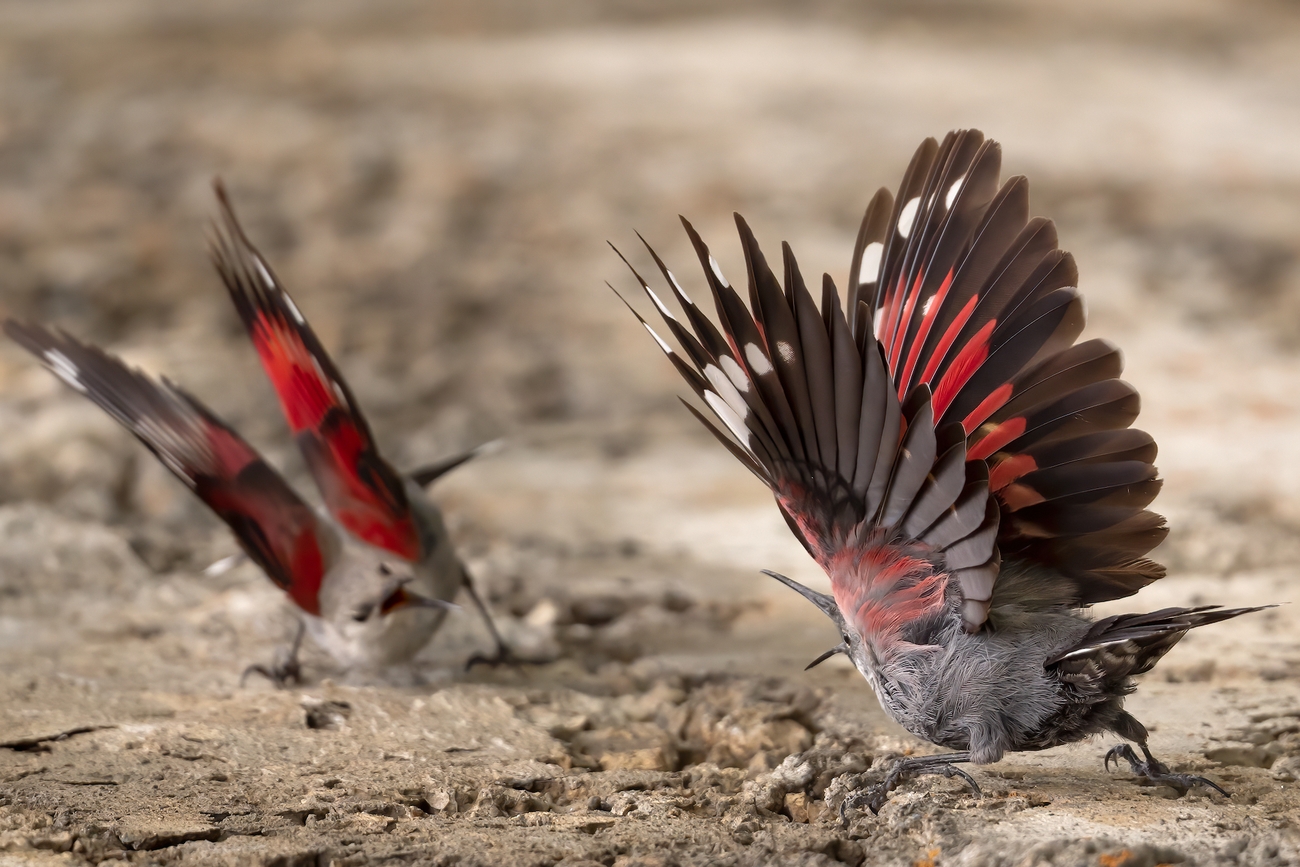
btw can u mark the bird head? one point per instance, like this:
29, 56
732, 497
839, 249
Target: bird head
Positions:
395, 596
370, 586
850, 645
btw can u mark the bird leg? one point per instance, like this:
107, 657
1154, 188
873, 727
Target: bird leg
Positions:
503, 654
910, 766
286, 667
1157, 772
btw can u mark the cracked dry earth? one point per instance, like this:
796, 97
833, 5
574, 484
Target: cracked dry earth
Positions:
434, 184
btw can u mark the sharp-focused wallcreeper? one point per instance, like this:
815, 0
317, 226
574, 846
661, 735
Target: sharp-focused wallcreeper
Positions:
962, 469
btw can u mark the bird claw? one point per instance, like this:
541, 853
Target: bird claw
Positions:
951, 771
1157, 772
493, 661
874, 797
503, 656
279, 673
285, 669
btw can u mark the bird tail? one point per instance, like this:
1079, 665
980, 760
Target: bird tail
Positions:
1125, 645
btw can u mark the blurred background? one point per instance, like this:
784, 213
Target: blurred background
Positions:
436, 182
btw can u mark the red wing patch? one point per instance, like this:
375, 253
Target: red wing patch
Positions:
280, 532
281, 535
950, 418
884, 588
363, 492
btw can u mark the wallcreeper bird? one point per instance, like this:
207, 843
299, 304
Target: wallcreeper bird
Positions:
374, 583
961, 468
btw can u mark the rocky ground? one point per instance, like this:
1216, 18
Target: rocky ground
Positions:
436, 184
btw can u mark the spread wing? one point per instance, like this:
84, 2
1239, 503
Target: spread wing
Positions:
969, 295
948, 412
362, 491
280, 532
814, 415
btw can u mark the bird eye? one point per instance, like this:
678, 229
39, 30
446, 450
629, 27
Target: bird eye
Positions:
844, 637
384, 570
363, 613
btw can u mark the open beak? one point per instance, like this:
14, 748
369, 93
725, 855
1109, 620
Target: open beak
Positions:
418, 601
401, 598
839, 648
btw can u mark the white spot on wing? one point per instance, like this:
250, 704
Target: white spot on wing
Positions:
907, 216
929, 302
678, 286
662, 309
953, 191
726, 390
757, 360
662, 345
263, 273
869, 270
734, 373
322, 376
182, 472
717, 271
1101, 645
293, 308
880, 317
62, 367
786, 350
733, 423
224, 565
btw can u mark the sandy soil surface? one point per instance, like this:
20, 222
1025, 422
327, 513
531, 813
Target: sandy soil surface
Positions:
436, 186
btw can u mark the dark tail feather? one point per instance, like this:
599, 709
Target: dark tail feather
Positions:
1129, 644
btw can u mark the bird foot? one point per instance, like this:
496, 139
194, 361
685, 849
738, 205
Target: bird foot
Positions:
1157, 772
874, 797
279, 673
503, 655
284, 670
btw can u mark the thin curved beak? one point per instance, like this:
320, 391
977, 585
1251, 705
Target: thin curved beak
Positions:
401, 598
821, 600
839, 648
427, 602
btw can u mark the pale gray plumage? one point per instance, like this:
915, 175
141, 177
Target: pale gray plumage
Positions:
961, 469
374, 578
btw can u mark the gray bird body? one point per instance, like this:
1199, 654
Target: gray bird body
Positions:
356, 585
987, 692
372, 579
962, 469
